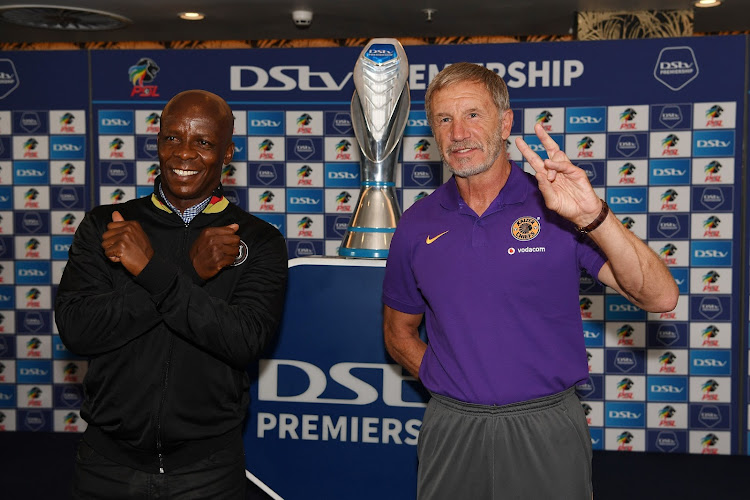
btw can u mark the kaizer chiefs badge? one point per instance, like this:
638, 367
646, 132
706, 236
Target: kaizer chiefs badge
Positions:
242, 256
525, 228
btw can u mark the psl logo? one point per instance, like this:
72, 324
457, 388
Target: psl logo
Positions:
669, 143
302, 124
584, 147
625, 335
667, 197
624, 440
152, 123
709, 281
265, 200
70, 422
303, 176
712, 115
34, 396
420, 149
666, 362
624, 387
304, 225
265, 148
708, 444
33, 345
709, 335
626, 119
141, 73
667, 253
712, 170
341, 150
66, 123
626, 174
115, 148
227, 175
32, 301
342, 201
666, 415
68, 220
544, 118
585, 304
66, 172
708, 390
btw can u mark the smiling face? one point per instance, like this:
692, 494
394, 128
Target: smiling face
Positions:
469, 129
195, 141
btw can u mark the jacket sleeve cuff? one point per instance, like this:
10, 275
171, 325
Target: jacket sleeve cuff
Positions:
157, 277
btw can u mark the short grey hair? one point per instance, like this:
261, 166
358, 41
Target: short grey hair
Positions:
468, 72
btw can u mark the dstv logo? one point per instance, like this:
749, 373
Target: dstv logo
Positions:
341, 374
422, 122
629, 415
66, 147
588, 334
711, 363
342, 175
667, 389
623, 308
671, 65
60, 247
264, 123
29, 172
303, 200
626, 200
33, 273
115, 122
712, 143
664, 172
37, 372
712, 254
577, 120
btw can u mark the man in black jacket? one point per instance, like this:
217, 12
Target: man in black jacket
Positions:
171, 296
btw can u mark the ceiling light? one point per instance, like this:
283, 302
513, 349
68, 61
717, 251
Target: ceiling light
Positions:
191, 16
707, 3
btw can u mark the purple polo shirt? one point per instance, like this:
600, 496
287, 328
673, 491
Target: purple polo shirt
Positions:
502, 312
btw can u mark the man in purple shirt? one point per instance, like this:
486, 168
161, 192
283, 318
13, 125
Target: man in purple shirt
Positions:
491, 260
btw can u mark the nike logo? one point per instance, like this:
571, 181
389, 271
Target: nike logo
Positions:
429, 240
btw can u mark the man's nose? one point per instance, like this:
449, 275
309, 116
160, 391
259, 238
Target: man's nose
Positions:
185, 151
459, 131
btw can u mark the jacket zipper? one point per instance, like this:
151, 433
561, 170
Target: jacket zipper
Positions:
159, 449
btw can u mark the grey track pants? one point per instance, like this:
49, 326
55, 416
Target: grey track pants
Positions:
535, 450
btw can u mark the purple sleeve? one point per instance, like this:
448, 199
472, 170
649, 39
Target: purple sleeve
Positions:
590, 257
400, 291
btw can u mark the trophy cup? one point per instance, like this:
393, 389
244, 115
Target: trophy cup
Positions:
380, 108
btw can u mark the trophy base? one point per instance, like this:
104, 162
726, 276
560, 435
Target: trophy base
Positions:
366, 243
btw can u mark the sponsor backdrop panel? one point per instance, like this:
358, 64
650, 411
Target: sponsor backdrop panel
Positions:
656, 124
44, 164
328, 398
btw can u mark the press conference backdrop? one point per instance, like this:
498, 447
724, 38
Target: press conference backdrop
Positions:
656, 124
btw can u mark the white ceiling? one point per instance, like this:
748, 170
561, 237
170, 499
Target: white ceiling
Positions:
271, 19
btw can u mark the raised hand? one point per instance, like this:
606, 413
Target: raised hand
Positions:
215, 249
126, 242
565, 187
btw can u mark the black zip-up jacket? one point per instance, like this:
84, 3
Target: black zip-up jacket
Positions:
166, 383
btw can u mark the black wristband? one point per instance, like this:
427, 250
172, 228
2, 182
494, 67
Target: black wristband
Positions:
597, 222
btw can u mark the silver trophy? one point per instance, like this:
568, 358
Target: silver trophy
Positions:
380, 107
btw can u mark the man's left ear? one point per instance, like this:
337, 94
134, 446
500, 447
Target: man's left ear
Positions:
229, 154
506, 123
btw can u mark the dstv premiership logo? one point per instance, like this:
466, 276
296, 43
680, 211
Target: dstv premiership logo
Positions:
676, 67
142, 73
8, 78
